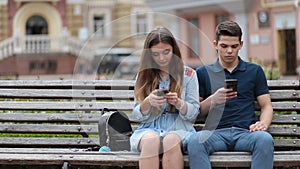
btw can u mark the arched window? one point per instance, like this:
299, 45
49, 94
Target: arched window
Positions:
36, 25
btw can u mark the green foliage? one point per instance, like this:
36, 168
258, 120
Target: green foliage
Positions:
271, 71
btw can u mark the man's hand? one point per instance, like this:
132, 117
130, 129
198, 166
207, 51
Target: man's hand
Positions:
257, 126
222, 95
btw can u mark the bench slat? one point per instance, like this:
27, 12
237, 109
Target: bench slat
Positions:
21, 105
284, 130
286, 119
285, 94
94, 117
42, 150
286, 106
131, 159
108, 94
68, 84
283, 84
66, 94
34, 105
48, 142
49, 129
50, 117
285, 144
115, 84
56, 159
280, 144
231, 160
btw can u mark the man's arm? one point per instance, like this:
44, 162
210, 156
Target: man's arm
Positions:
266, 115
219, 97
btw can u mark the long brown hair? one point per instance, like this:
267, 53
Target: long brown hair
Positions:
148, 77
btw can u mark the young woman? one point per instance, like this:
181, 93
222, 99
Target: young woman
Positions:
166, 117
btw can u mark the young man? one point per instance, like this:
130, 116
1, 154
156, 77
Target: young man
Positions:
231, 123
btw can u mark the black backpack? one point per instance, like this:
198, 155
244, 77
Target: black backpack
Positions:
114, 130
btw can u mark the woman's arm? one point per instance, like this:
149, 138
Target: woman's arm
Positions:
191, 104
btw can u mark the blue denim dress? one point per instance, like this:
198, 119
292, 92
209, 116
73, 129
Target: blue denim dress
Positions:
170, 122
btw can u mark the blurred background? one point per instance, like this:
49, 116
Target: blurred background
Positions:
102, 39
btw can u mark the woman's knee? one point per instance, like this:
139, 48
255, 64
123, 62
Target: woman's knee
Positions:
172, 141
150, 141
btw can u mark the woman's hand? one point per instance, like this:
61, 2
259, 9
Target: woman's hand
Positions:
156, 101
172, 98
179, 104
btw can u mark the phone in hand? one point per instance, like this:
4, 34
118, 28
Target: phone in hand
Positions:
162, 92
231, 83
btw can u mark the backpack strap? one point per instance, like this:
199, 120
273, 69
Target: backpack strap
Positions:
107, 134
104, 110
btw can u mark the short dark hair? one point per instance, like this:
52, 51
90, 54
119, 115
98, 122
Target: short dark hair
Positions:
228, 28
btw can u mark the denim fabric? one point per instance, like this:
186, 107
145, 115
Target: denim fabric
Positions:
203, 143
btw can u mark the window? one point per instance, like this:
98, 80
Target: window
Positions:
222, 18
51, 66
98, 19
193, 36
99, 25
77, 10
141, 21
48, 66
141, 25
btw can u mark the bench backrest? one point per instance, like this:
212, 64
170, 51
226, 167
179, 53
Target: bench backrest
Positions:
65, 113
58, 113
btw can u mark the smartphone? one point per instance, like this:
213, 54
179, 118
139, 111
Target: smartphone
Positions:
162, 92
231, 83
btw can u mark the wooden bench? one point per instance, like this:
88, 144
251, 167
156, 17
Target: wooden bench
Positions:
54, 122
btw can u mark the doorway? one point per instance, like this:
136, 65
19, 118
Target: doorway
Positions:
36, 25
37, 30
287, 51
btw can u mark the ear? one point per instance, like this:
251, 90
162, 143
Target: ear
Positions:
242, 42
215, 43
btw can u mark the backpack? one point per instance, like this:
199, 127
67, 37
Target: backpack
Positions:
114, 130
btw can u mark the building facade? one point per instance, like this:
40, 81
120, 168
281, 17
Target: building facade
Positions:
55, 37
270, 29
47, 37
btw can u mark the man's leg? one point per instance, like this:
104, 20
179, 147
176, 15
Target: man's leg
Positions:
261, 144
202, 144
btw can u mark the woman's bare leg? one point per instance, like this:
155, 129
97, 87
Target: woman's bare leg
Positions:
172, 157
149, 146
